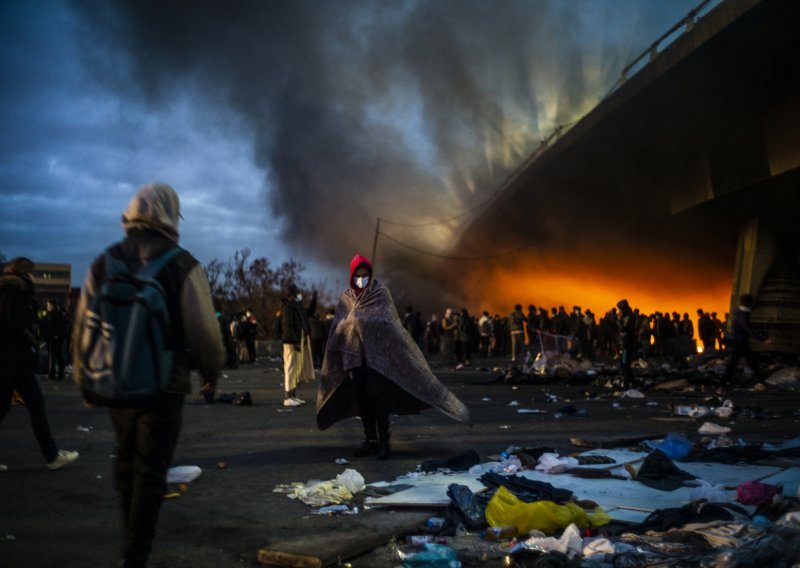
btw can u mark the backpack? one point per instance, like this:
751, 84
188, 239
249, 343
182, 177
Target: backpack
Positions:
124, 349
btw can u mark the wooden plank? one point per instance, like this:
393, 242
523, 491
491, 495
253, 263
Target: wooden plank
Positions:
334, 547
608, 442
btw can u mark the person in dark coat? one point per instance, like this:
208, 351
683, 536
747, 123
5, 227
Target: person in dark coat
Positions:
627, 337
18, 355
54, 331
742, 333
516, 325
295, 333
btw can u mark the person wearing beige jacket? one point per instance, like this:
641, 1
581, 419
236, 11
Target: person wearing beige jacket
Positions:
147, 431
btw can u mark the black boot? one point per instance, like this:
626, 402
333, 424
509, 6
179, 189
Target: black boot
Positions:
384, 451
368, 448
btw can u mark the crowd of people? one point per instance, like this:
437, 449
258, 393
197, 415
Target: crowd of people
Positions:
457, 335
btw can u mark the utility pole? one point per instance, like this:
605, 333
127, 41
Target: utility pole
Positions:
375, 241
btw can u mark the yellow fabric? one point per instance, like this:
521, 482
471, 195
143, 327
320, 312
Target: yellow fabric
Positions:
298, 366
506, 509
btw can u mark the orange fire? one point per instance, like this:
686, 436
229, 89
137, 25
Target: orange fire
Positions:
551, 282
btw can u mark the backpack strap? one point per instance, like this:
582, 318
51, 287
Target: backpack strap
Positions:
152, 268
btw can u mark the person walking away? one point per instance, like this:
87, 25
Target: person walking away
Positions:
741, 334
54, 329
19, 354
147, 430
295, 333
372, 367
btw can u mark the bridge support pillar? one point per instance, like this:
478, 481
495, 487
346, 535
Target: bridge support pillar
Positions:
768, 267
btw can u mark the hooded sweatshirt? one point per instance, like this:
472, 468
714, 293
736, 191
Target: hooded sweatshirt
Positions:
359, 260
151, 225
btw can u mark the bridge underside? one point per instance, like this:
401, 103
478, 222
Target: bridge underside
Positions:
697, 151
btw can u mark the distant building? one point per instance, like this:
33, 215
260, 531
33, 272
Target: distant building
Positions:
52, 281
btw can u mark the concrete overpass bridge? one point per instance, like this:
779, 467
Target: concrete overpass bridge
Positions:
698, 146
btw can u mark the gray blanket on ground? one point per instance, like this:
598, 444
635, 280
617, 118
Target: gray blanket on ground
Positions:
367, 330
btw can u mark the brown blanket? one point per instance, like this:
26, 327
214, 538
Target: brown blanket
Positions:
367, 330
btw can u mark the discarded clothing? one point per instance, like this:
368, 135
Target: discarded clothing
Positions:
470, 508
695, 512
460, 462
756, 493
526, 489
659, 472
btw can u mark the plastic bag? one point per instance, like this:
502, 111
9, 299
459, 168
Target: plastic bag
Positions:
551, 463
676, 446
505, 509
352, 480
433, 556
712, 494
183, 474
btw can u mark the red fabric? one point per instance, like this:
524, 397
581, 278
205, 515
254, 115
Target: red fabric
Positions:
357, 261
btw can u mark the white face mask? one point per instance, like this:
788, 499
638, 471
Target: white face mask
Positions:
299, 297
362, 281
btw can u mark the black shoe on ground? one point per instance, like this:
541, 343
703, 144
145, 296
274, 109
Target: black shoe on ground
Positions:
368, 448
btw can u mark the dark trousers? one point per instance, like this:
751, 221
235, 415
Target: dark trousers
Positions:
741, 349
16, 374
146, 439
251, 349
625, 360
55, 349
372, 393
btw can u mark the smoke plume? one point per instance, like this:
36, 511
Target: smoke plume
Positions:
409, 111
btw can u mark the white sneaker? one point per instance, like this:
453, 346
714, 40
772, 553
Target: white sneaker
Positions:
300, 400
63, 458
290, 402
3, 467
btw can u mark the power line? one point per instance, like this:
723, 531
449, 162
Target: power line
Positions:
462, 258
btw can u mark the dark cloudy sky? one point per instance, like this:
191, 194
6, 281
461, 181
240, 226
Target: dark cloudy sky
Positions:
288, 127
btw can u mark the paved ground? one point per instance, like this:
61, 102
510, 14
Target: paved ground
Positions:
69, 518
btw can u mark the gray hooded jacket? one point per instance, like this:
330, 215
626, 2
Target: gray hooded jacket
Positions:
151, 226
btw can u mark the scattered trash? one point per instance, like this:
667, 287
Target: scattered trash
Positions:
712, 494
505, 509
335, 510
436, 522
632, 393
423, 539
530, 411
9, 537
709, 428
171, 495
486, 399
83, 429
675, 446
786, 379
183, 474
499, 533
504, 426
570, 543
552, 463
513, 403
222, 465
756, 493
341, 461
434, 556
320, 493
